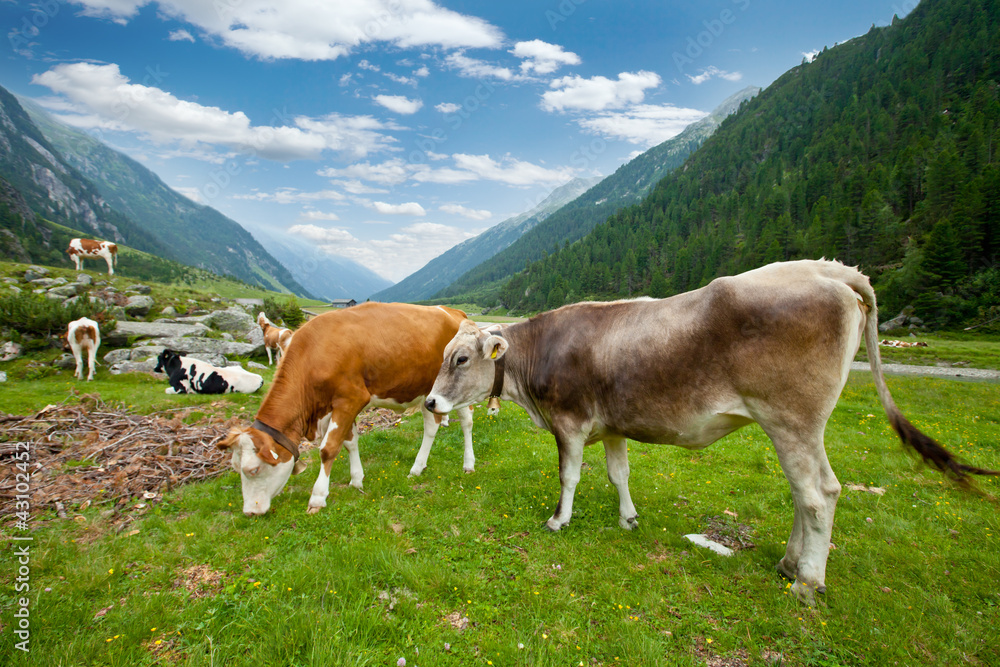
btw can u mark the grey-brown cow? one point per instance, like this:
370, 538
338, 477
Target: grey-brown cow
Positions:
772, 346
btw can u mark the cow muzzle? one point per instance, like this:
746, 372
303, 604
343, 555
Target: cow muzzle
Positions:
256, 507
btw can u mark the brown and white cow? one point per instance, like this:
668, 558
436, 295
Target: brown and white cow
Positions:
84, 335
80, 249
772, 346
275, 338
338, 364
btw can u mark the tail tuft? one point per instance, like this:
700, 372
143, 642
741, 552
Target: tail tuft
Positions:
933, 453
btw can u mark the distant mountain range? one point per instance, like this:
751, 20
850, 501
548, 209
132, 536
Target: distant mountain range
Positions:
445, 268
627, 186
327, 276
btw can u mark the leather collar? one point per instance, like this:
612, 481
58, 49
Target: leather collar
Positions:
278, 436
498, 367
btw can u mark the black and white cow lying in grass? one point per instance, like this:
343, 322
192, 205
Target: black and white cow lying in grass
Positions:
189, 375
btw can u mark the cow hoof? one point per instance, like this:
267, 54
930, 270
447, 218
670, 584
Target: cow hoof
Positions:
628, 524
416, 472
359, 487
469, 471
313, 509
806, 593
784, 570
554, 525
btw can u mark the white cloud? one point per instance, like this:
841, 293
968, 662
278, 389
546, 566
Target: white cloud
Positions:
598, 93
395, 256
409, 208
644, 124
181, 36
292, 196
318, 216
810, 55
509, 170
543, 58
399, 104
713, 72
356, 187
323, 234
471, 214
405, 80
422, 72
364, 64
447, 107
464, 169
103, 98
192, 193
315, 29
390, 172
477, 69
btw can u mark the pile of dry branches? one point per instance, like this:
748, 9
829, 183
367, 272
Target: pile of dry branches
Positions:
93, 452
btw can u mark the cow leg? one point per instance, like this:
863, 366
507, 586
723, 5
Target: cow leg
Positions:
340, 430
570, 462
616, 454
815, 491
354, 456
78, 355
431, 424
111, 269
91, 360
469, 457
268, 355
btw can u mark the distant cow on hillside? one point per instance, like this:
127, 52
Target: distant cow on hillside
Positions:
88, 248
275, 338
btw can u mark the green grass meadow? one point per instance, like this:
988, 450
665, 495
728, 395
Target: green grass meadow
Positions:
457, 569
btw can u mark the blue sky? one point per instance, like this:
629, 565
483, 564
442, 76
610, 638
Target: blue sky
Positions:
387, 131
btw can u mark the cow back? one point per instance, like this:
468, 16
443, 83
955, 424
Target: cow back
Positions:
390, 351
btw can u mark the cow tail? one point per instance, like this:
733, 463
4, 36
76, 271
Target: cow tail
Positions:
931, 451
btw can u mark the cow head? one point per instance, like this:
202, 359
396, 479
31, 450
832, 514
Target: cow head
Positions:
262, 320
167, 361
467, 372
264, 467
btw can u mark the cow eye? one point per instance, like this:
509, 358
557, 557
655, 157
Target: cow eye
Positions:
461, 360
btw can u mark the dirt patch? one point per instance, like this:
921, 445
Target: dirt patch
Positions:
95, 452
200, 581
729, 532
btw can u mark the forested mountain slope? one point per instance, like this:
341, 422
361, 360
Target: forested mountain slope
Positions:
446, 267
882, 152
628, 185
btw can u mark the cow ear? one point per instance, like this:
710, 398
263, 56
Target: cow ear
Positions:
231, 439
495, 347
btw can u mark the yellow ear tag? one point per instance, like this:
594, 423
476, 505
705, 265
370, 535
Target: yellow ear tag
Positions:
494, 355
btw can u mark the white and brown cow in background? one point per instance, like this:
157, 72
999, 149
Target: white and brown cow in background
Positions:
275, 338
337, 364
772, 346
80, 249
84, 335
